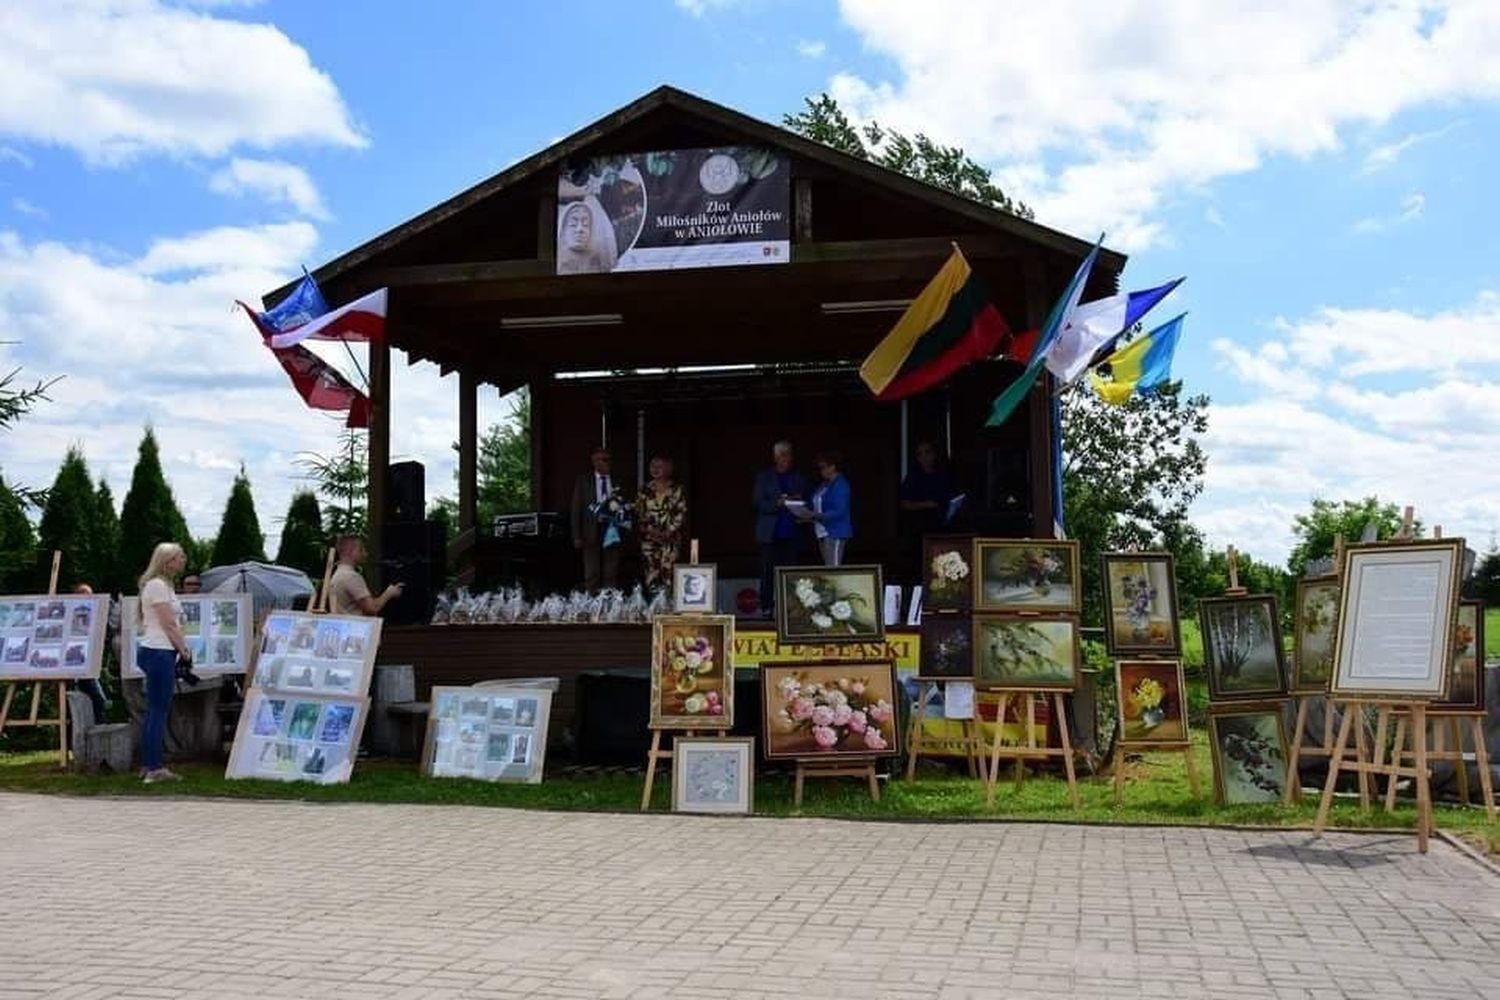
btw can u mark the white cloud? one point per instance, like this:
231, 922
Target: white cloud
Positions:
1267, 369
12, 155
1105, 112
275, 181
1358, 342
1413, 206
1386, 155
698, 8
24, 207
1212, 216
114, 79
811, 49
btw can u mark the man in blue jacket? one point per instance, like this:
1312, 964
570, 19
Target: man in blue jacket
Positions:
776, 529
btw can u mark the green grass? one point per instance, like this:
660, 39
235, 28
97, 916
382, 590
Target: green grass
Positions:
1492, 633
1157, 794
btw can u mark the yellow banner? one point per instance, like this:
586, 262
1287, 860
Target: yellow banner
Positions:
752, 647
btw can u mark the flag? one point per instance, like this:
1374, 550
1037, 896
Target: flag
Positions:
1095, 324
1060, 318
303, 305
950, 324
1138, 367
361, 320
321, 386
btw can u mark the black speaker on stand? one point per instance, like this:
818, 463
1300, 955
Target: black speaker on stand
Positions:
413, 554
406, 492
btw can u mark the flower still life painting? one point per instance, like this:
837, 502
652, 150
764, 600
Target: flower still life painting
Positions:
1151, 699
948, 562
692, 680
1140, 603
1249, 750
1242, 653
821, 604
713, 775
947, 646
1026, 575
1312, 644
1015, 652
1466, 683
830, 709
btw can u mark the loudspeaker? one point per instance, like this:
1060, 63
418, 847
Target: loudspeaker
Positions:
413, 554
406, 491
1007, 480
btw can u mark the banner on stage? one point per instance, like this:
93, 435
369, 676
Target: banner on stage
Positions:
757, 647
721, 207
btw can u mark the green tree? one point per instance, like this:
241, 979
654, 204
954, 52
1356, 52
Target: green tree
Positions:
200, 555
947, 167
17, 400
68, 523
1316, 529
17, 546
150, 514
504, 461
1256, 577
303, 545
1485, 583
240, 538
106, 577
343, 482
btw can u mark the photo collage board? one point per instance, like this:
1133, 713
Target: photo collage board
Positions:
219, 629
487, 733
46, 638
317, 654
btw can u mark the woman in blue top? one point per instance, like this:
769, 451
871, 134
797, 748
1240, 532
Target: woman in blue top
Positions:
831, 509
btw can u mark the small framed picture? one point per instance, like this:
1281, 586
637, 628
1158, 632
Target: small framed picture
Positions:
1242, 652
1027, 574
1140, 604
947, 646
1250, 752
829, 604
713, 775
695, 588
1466, 684
1314, 622
1152, 701
1031, 651
948, 572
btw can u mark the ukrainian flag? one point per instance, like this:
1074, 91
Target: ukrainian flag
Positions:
1139, 366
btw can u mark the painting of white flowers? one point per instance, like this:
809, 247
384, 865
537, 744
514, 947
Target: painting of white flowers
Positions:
692, 681
1027, 575
821, 710
823, 604
948, 563
713, 775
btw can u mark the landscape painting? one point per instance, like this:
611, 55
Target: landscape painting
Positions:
1242, 652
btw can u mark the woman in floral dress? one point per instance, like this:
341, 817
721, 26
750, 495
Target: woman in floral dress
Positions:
661, 511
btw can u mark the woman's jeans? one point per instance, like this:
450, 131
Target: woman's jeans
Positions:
160, 668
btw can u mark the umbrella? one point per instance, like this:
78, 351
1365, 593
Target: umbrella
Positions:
272, 586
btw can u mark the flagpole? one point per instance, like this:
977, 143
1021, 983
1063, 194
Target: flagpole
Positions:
1058, 528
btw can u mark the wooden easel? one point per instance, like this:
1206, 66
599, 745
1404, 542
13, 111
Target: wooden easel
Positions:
656, 753
322, 599
1446, 724
848, 767
1298, 749
1030, 749
971, 743
1124, 747
37, 687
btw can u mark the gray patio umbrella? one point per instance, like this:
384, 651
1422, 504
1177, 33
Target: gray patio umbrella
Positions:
272, 586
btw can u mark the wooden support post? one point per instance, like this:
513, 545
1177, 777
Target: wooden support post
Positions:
56, 566
322, 602
379, 457
1232, 560
468, 449
1444, 726
1363, 765
693, 551
1029, 747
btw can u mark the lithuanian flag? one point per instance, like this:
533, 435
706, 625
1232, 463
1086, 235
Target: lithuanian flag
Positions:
952, 323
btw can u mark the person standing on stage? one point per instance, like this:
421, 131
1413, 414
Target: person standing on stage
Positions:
662, 509
832, 521
926, 492
591, 534
162, 645
348, 593
776, 530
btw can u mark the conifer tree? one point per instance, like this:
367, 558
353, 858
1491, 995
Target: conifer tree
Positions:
68, 521
239, 537
150, 514
303, 542
106, 542
17, 546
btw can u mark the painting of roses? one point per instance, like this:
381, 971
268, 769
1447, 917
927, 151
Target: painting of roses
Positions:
948, 562
830, 709
825, 604
692, 681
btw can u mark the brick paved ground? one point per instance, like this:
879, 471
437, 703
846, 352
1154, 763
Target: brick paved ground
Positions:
167, 899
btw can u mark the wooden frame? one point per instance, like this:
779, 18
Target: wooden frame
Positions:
988, 675
1016, 554
1170, 701
242, 635
1241, 643
867, 687
740, 754
809, 596
947, 647
699, 694
304, 654
682, 604
1274, 768
67, 644
1365, 669
497, 724
949, 585
1456, 700
1123, 637
273, 742
1313, 634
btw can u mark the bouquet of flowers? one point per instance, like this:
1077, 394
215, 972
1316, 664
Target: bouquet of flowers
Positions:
1139, 595
689, 658
841, 714
1147, 696
615, 515
821, 606
948, 571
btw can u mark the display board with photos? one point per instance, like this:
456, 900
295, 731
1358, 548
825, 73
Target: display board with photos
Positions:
297, 737
317, 654
828, 604
713, 774
1243, 657
57, 638
1140, 604
488, 733
948, 572
1397, 611
1466, 682
1027, 574
692, 673
1036, 652
219, 629
1249, 745
830, 710
1314, 621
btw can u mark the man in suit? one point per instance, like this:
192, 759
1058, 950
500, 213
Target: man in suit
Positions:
776, 529
601, 566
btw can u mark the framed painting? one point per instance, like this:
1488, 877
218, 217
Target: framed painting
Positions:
1033, 651
489, 734
713, 775
1249, 749
823, 604
825, 710
219, 628
52, 638
695, 588
1152, 701
285, 737
1140, 604
692, 678
1466, 682
1242, 652
317, 654
1027, 574
1397, 610
1312, 641
948, 572
947, 647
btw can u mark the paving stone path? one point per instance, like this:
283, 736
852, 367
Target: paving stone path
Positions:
170, 898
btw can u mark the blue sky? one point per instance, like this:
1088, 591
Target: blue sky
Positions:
1317, 171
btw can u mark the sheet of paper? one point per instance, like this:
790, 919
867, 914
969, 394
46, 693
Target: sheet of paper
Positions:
914, 613
892, 605
958, 700
1396, 620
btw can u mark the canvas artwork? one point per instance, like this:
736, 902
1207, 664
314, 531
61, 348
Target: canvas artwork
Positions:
291, 738
1140, 604
1039, 652
1027, 575
1242, 651
52, 638
947, 648
692, 678
1249, 750
1312, 643
1152, 701
221, 636
948, 565
316, 654
489, 734
821, 710
695, 588
823, 604
1466, 682
713, 775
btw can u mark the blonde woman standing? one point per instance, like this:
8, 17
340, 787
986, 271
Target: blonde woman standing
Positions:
162, 642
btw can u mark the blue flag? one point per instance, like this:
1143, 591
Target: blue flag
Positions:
304, 305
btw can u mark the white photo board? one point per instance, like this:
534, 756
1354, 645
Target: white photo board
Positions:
491, 734
56, 638
287, 737
218, 628
317, 654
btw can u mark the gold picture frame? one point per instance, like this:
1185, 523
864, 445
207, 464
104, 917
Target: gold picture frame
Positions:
692, 672
1027, 574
